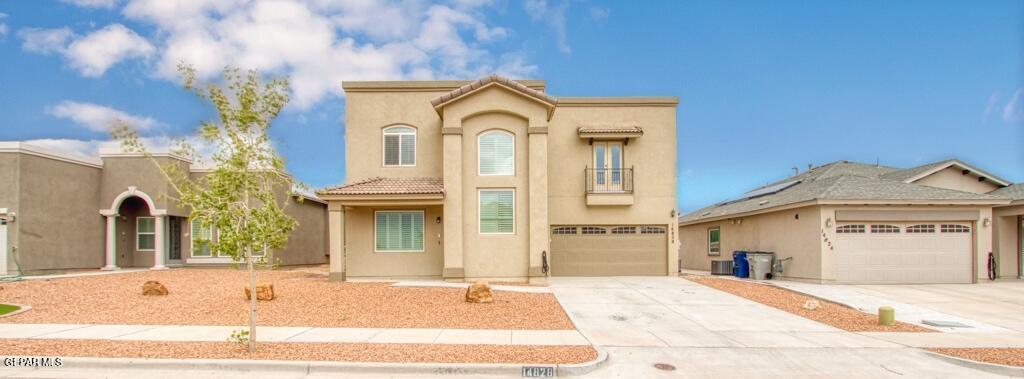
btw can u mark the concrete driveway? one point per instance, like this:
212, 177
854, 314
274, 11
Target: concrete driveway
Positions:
704, 332
996, 303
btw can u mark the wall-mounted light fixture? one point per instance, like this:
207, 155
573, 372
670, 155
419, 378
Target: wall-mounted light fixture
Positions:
828, 222
986, 222
672, 213
437, 220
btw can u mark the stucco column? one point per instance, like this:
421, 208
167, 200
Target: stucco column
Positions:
158, 241
111, 247
454, 268
539, 241
336, 241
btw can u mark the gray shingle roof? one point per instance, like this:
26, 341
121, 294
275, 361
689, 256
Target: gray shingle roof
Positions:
841, 180
388, 186
1014, 192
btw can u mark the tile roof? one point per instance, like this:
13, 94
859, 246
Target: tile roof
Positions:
458, 92
841, 180
585, 130
388, 186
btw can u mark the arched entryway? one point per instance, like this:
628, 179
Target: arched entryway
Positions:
135, 232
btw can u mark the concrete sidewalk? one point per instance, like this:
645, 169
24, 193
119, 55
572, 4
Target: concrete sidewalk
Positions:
201, 333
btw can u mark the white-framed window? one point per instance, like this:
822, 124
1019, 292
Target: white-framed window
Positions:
145, 233
714, 241
884, 228
923, 228
497, 211
624, 230
202, 238
652, 230
399, 146
593, 230
563, 230
496, 153
850, 229
954, 228
398, 231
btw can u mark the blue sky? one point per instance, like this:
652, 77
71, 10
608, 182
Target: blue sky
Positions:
763, 86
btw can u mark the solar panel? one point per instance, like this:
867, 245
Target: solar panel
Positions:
770, 189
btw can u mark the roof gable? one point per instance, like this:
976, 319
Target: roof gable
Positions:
507, 84
920, 172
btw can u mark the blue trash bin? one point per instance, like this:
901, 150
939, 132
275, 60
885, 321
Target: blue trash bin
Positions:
740, 266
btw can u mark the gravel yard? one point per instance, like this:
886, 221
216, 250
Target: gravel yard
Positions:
1003, 356
304, 298
828, 313
339, 352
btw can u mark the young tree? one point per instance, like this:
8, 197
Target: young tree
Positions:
242, 196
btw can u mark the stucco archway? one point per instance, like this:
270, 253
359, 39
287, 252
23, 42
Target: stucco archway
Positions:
111, 230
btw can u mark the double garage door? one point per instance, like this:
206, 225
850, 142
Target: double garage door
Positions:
600, 250
905, 252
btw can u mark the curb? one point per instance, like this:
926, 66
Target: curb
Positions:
993, 368
21, 309
310, 367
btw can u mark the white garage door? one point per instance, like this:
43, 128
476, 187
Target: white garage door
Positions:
912, 252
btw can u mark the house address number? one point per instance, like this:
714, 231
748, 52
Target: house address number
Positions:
538, 372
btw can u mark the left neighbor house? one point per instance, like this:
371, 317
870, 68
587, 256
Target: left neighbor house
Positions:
62, 212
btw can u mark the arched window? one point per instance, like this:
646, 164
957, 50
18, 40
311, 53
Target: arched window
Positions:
496, 153
399, 146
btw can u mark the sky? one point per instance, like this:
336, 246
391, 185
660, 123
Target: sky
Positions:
763, 86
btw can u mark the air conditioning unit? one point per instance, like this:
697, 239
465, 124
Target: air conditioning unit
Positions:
721, 267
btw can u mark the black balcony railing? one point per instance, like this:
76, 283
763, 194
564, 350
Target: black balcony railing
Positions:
609, 180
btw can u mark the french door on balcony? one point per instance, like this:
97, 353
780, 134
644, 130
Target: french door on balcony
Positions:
607, 166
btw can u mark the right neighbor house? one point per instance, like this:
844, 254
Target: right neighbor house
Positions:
847, 222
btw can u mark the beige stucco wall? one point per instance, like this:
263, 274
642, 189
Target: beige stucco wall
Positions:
780, 232
362, 261
368, 113
9, 199
1006, 237
952, 178
58, 226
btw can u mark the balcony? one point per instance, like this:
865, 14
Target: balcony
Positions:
609, 186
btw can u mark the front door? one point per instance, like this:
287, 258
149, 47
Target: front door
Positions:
608, 166
174, 238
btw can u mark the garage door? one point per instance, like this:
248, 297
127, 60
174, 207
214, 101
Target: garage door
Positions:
597, 250
914, 252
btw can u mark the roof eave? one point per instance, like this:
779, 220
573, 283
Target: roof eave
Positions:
962, 165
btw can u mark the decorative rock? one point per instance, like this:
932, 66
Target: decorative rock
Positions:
479, 292
153, 288
812, 305
264, 292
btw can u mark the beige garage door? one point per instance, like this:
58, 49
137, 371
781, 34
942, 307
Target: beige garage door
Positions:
593, 250
913, 252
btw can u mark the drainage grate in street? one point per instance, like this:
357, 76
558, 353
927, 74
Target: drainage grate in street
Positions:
664, 367
945, 324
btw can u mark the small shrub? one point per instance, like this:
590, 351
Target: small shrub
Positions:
240, 336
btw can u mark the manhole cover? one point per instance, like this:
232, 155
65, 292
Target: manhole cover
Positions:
664, 367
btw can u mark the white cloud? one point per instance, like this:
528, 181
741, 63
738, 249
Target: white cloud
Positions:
44, 41
990, 108
92, 3
92, 54
3, 25
553, 16
599, 14
97, 117
1014, 109
319, 43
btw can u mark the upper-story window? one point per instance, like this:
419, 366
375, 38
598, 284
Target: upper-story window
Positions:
399, 146
496, 153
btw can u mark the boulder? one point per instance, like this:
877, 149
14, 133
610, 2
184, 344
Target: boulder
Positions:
479, 292
812, 305
153, 288
264, 292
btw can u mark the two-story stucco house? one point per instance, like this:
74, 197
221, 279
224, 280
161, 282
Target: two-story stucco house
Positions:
495, 179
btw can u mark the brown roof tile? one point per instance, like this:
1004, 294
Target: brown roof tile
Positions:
458, 92
388, 186
584, 130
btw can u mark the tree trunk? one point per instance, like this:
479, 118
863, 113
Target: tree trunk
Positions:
252, 298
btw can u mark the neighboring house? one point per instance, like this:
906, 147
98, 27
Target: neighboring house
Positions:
848, 222
496, 179
65, 212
